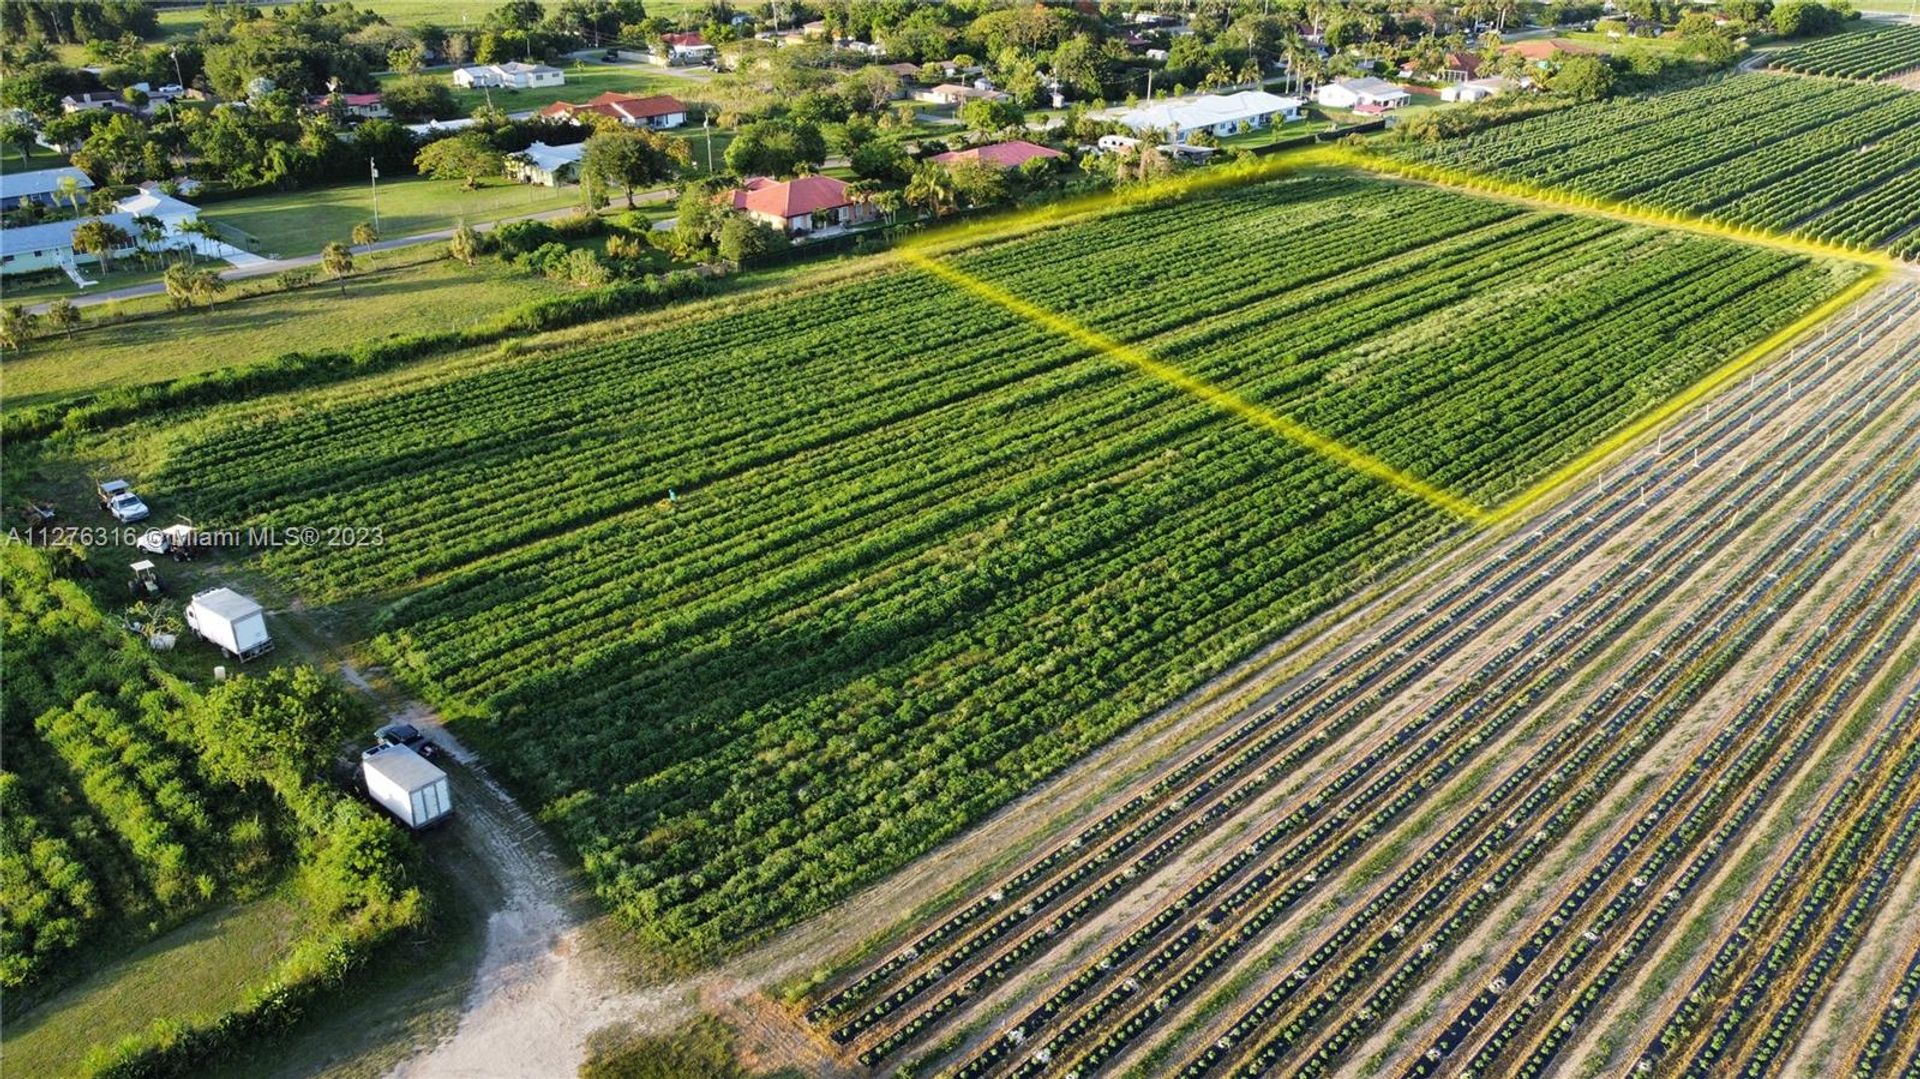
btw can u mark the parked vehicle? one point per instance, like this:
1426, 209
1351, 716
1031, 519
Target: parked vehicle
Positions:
117, 498
145, 583
179, 541
406, 784
232, 622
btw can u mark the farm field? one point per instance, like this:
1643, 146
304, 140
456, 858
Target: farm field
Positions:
1832, 160
1876, 55
823, 577
1627, 791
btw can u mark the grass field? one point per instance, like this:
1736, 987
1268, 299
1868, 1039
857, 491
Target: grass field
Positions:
925, 552
302, 222
432, 296
197, 971
583, 81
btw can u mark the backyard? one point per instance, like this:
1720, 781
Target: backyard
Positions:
297, 223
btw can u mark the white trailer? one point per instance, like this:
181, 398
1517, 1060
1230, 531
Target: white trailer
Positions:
407, 784
235, 624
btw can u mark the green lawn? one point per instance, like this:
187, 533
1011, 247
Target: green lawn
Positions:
437, 295
199, 970
302, 222
583, 81
38, 157
125, 272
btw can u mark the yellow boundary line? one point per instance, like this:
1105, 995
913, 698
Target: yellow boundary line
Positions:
1224, 399
920, 253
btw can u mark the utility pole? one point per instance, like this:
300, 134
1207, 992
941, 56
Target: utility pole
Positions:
706, 127
373, 181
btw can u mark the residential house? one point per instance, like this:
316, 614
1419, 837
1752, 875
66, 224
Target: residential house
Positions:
1542, 52
548, 166
39, 185
1004, 155
512, 75
1221, 114
952, 93
364, 106
1477, 89
681, 49
1362, 95
907, 72
633, 110
800, 206
95, 101
37, 248
1454, 67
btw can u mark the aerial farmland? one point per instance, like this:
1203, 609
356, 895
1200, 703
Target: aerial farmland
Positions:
964, 580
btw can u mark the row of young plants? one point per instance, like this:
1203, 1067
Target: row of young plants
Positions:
1631, 705
1709, 814
1874, 55
1895, 1020
1029, 1023
1817, 874
1745, 152
1701, 665
1583, 1003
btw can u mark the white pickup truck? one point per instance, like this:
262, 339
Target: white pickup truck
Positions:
117, 498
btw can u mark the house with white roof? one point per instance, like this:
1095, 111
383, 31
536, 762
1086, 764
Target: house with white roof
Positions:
512, 75
1476, 89
39, 185
1221, 114
37, 248
1362, 95
548, 166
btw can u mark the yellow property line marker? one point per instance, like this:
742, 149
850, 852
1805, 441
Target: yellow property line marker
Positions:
1223, 399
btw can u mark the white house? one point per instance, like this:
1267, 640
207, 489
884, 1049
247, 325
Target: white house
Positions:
1221, 114
1362, 95
512, 75
39, 185
952, 93
35, 248
1476, 89
548, 166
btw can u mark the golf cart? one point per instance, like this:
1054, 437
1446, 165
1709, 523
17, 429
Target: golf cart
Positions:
177, 540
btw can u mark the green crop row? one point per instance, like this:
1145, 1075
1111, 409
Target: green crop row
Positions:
1805, 156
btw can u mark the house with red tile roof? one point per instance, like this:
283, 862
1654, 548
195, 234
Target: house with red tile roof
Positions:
799, 206
633, 110
1541, 51
1005, 155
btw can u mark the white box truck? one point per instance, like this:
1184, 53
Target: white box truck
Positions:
407, 784
234, 623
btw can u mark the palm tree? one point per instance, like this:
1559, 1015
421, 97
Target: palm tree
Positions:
932, 187
62, 315
364, 235
204, 286
16, 327
862, 192
337, 259
68, 188
890, 202
101, 239
179, 283
148, 232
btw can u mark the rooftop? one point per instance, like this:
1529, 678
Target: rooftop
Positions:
403, 767
14, 185
791, 198
1006, 155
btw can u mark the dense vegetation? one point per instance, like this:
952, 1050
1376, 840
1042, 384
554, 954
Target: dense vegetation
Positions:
761, 607
133, 799
1836, 160
1873, 55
